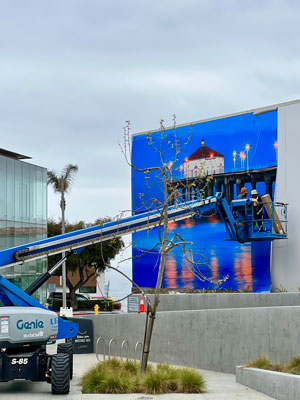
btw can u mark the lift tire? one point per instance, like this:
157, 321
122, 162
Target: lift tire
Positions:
67, 348
60, 373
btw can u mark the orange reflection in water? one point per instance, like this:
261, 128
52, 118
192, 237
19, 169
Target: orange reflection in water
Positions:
243, 269
172, 225
187, 276
213, 220
188, 223
214, 265
171, 272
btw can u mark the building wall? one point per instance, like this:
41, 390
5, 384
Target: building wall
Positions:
203, 167
94, 287
217, 339
23, 216
286, 253
213, 301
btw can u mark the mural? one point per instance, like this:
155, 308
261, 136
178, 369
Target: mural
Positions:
233, 152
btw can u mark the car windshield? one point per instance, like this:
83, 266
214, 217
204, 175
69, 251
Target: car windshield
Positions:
58, 295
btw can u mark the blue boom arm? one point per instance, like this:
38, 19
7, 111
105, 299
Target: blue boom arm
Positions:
73, 242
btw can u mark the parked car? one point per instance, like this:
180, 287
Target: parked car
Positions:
58, 296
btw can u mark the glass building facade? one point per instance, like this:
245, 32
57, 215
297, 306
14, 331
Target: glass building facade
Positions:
23, 215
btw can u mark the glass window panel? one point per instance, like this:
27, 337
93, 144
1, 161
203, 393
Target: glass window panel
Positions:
31, 231
3, 214
33, 194
45, 198
3, 235
25, 193
18, 190
10, 229
10, 189
25, 233
8, 273
23, 217
39, 194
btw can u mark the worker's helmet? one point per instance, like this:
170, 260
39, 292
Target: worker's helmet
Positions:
254, 192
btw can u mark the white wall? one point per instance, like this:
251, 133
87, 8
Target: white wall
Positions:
285, 267
206, 166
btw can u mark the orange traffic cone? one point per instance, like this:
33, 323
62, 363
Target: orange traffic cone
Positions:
142, 306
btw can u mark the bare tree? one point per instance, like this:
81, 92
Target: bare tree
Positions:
170, 195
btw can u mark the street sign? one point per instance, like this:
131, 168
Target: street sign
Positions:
83, 343
133, 304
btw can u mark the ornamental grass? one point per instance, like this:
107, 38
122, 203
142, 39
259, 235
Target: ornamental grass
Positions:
262, 362
116, 376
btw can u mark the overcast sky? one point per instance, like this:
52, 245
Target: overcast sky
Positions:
72, 72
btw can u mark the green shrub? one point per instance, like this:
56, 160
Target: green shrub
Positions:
116, 376
153, 382
261, 362
191, 381
277, 367
104, 305
114, 364
131, 366
117, 306
293, 366
115, 383
91, 380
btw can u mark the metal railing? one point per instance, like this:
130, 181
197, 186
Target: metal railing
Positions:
113, 341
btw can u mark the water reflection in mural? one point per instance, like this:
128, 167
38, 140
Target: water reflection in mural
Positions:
242, 263
234, 151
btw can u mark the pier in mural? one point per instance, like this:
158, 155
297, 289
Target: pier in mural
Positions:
233, 152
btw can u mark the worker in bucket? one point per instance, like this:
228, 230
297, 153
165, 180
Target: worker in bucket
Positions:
243, 194
258, 210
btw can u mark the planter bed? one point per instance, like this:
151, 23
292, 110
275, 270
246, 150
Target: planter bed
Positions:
279, 385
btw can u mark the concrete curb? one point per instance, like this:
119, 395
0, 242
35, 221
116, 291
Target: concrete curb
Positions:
210, 301
278, 385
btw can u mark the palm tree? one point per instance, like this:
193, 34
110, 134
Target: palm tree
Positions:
62, 184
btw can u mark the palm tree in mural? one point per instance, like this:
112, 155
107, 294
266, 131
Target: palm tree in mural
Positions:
62, 184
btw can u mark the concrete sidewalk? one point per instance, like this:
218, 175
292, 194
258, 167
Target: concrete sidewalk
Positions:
220, 386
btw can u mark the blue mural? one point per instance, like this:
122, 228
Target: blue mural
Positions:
234, 144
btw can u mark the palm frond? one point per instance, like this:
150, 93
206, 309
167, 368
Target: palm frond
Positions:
68, 174
53, 180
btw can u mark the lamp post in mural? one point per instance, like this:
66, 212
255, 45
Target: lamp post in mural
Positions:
181, 169
234, 158
247, 148
242, 157
276, 149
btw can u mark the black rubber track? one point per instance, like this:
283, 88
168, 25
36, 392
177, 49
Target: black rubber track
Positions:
67, 348
60, 374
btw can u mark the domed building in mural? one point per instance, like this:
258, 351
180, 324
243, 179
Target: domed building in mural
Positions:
203, 162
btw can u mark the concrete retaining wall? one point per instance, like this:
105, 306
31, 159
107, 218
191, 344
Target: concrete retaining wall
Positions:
275, 384
210, 339
206, 301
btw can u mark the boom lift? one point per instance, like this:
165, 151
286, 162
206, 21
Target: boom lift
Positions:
24, 331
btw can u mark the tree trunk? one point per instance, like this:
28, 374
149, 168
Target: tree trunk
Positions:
152, 316
73, 299
163, 250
